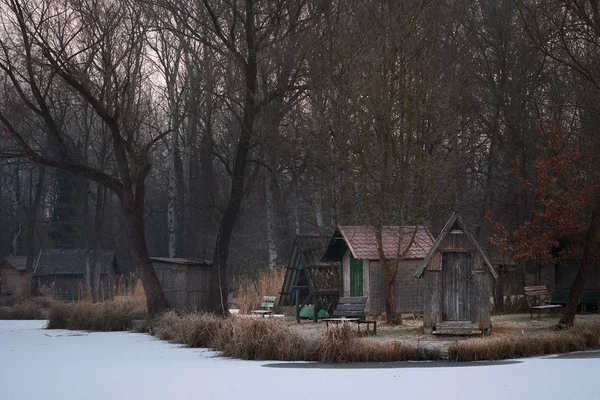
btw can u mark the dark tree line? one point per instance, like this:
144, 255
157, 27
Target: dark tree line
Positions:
219, 129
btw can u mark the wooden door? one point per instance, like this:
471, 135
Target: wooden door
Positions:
456, 286
356, 277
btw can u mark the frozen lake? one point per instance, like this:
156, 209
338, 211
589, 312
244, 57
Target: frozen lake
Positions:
54, 364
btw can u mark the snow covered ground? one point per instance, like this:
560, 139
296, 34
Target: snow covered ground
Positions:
54, 364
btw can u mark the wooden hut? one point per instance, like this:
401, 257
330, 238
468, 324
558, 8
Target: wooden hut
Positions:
65, 270
11, 270
184, 282
458, 278
355, 247
307, 250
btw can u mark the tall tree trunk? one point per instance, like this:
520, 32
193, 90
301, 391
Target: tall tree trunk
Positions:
590, 252
271, 234
133, 210
13, 193
32, 214
98, 222
172, 199
218, 290
390, 269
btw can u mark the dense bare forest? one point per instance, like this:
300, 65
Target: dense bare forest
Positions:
219, 129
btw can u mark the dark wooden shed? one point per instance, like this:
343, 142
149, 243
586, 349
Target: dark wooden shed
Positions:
65, 270
458, 277
12, 269
184, 282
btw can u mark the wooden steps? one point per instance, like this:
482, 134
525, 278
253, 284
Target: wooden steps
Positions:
457, 328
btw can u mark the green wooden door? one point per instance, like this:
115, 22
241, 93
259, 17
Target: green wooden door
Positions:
356, 277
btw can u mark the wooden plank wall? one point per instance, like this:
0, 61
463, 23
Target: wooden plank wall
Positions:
481, 299
432, 300
480, 287
10, 279
196, 287
409, 290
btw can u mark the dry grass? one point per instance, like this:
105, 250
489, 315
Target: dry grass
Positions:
585, 337
251, 291
24, 309
115, 315
271, 339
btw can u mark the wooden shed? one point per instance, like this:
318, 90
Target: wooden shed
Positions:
458, 278
65, 270
355, 247
184, 282
11, 270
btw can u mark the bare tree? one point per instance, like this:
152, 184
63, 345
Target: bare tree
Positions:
94, 52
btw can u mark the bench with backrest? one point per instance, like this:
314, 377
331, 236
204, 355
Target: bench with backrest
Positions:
538, 298
588, 298
351, 309
268, 302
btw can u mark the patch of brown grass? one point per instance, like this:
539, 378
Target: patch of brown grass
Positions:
105, 316
271, 339
505, 347
25, 309
251, 291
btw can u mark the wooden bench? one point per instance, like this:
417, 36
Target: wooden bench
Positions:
588, 298
268, 302
538, 299
351, 309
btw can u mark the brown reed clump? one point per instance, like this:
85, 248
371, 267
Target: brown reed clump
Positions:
251, 291
24, 309
270, 339
342, 346
507, 347
105, 316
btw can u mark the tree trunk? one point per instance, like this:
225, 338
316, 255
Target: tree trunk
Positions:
13, 192
133, 210
98, 222
32, 214
389, 275
218, 290
271, 235
172, 200
590, 251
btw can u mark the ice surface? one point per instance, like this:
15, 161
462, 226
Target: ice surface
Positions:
54, 364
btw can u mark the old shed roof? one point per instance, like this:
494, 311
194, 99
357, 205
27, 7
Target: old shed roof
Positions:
70, 262
182, 261
18, 262
362, 242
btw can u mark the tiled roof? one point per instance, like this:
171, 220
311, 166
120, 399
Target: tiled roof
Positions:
363, 245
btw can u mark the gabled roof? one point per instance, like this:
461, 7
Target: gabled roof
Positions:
70, 262
363, 245
182, 261
454, 219
18, 262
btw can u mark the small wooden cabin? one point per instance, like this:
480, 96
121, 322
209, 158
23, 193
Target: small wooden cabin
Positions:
355, 247
458, 278
184, 282
65, 270
11, 270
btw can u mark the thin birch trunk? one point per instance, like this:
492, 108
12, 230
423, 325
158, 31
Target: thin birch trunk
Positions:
271, 235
